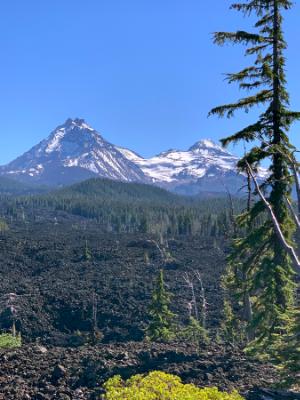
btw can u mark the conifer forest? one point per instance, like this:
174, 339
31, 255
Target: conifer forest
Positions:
123, 280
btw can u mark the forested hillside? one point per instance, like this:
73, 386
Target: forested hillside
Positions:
12, 187
128, 207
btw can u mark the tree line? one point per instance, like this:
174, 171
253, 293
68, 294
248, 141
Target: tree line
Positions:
116, 209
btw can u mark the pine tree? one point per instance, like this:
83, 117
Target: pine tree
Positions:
289, 353
161, 326
231, 329
194, 332
268, 268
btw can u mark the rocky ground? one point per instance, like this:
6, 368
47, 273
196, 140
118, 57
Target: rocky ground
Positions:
40, 373
49, 284
51, 291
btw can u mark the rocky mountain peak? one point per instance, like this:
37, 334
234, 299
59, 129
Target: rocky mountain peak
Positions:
76, 122
206, 144
72, 152
74, 134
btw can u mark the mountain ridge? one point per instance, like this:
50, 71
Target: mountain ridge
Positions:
74, 151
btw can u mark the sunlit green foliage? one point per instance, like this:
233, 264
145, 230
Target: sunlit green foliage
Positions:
7, 340
289, 354
230, 328
3, 226
158, 385
195, 333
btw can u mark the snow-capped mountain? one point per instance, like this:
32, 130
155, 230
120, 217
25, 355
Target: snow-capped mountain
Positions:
75, 151
204, 158
205, 166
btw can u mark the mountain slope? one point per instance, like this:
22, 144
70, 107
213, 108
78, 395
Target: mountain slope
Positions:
176, 165
13, 187
204, 167
73, 152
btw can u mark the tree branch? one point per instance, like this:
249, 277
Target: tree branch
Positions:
289, 249
297, 180
291, 208
293, 166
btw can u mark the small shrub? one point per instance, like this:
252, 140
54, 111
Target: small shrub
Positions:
158, 385
194, 333
7, 340
3, 226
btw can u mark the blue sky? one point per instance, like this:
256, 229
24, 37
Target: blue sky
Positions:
143, 72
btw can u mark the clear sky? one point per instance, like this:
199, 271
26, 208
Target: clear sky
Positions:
144, 73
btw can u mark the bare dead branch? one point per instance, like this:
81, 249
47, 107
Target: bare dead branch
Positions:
203, 299
193, 302
233, 221
289, 249
297, 180
295, 216
293, 166
161, 251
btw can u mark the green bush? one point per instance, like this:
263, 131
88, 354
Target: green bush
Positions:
194, 333
7, 340
3, 226
158, 385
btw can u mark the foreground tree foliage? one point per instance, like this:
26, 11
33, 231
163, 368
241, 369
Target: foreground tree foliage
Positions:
260, 270
289, 354
158, 385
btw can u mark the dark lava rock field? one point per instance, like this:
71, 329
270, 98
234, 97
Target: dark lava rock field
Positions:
40, 373
57, 275
50, 284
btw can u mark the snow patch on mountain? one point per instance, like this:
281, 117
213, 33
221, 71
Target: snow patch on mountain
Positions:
75, 151
190, 165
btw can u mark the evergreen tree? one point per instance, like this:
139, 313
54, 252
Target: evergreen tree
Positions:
161, 325
266, 265
231, 329
194, 332
289, 354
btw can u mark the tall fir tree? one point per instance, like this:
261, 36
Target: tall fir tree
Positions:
161, 326
259, 256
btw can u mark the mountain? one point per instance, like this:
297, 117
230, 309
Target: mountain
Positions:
75, 151
204, 167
